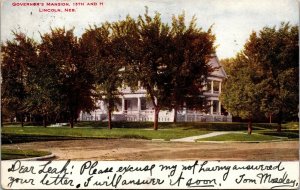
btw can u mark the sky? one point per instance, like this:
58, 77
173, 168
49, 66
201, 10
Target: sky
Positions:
232, 21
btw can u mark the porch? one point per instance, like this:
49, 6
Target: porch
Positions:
136, 109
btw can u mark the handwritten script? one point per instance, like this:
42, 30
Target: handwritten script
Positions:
148, 174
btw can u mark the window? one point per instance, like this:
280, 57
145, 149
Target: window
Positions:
127, 105
215, 106
216, 86
143, 104
208, 86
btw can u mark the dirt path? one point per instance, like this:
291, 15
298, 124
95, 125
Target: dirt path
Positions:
213, 134
126, 149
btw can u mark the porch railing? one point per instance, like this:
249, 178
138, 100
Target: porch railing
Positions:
148, 115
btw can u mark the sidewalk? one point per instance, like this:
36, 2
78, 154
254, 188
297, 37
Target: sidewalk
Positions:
195, 138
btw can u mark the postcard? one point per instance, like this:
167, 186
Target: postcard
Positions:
142, 94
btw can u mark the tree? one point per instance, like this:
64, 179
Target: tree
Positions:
240, 95
170, 63
41, 83
72, 80
18, 55
102, 50
275, 53
265, 75
192, 48
148, 46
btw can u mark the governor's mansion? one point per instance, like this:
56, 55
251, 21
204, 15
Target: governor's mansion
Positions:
135, 107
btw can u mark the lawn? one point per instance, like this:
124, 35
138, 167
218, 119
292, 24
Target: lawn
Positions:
63, 133
291, 134
9, 154
291, 125
240, 137
205, 126
143, 130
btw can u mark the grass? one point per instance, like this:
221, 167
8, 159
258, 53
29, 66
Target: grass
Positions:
205, 126
291, 125
291, 134
11, 138
240, 137
9, 154
143, 130
209, 126
10, 133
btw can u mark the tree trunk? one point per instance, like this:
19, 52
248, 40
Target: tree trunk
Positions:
270, 118
44, 121
72, 121
110, 108
156, 113
175, 115
250, 126
155, 105
22, 121
279, 121
109, 119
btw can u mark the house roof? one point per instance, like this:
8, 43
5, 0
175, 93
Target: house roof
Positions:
219, 71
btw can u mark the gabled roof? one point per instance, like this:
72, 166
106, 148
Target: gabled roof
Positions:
219, 72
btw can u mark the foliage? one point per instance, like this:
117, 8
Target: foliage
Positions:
150, 60
59, 52
240, 94
64, 75
18, 56
168, 61
276, 54
263, 78
191, 51
47, 79
101, 46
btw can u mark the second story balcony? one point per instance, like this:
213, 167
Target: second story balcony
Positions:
213, 88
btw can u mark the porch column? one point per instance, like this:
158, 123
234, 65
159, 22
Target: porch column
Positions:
219, 108
212, 86
211, 107
81, 116
139, 107
185, 114
139, 104
123, 104
220, 87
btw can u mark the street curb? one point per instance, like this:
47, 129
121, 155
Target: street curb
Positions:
160, 140
279, 140
35, 158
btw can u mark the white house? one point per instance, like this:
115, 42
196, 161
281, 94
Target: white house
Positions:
134, 106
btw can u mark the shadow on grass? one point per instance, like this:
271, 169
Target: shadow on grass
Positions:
214, 126
9, 154
23, 138
288, 134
